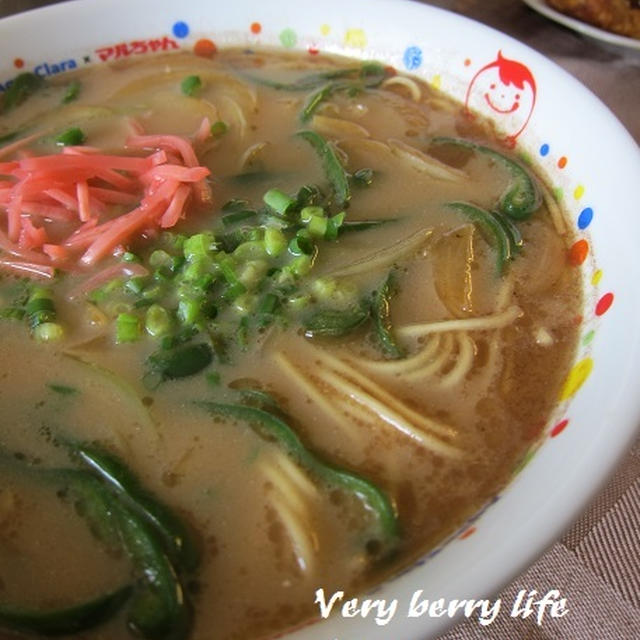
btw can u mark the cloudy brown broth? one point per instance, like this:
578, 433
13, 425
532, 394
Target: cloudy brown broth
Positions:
437, 426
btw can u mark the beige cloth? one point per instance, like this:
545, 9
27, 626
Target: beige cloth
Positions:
595, 566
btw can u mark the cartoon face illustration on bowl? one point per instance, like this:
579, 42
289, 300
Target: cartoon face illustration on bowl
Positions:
504, 90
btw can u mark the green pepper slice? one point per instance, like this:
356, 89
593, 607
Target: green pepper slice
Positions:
335, 322
159, 609
272, 427
334, 171
491, 228
381, 315
522, 197
65, 621
178, 539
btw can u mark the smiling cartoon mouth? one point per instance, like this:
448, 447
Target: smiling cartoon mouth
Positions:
515, 105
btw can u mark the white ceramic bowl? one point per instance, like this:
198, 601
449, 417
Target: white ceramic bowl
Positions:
587, 156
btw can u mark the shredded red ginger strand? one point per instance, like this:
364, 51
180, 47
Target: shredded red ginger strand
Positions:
59, 208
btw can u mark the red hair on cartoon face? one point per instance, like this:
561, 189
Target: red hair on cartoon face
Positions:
510, 72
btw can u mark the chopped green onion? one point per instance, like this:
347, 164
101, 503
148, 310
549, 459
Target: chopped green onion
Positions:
173, 240
199, 245
306, 213
189, 310
22, 87
267, 308
298, 302
197, 270
334, 224
245, 303
157, 321
269, 303
219, 128
242, 334
279, 201
275, 242
307, 195
153, 292
72, 92
160, 258
250, 250
128, 256
235, 287
40, 307
251, 273
41, 316
300, 266
136, 284
213, 378
234, 290
127, 328
323, 288
48, 332
302, 244
190, 85
317, 226
71, 137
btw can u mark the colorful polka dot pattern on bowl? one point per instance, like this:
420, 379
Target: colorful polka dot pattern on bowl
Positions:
412, 58
578, 256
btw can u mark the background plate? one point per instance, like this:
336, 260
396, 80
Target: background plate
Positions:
582, 27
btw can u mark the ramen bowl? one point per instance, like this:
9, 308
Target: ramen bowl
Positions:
587, 158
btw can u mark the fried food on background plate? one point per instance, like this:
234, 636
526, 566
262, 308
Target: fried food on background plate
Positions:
619, 16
